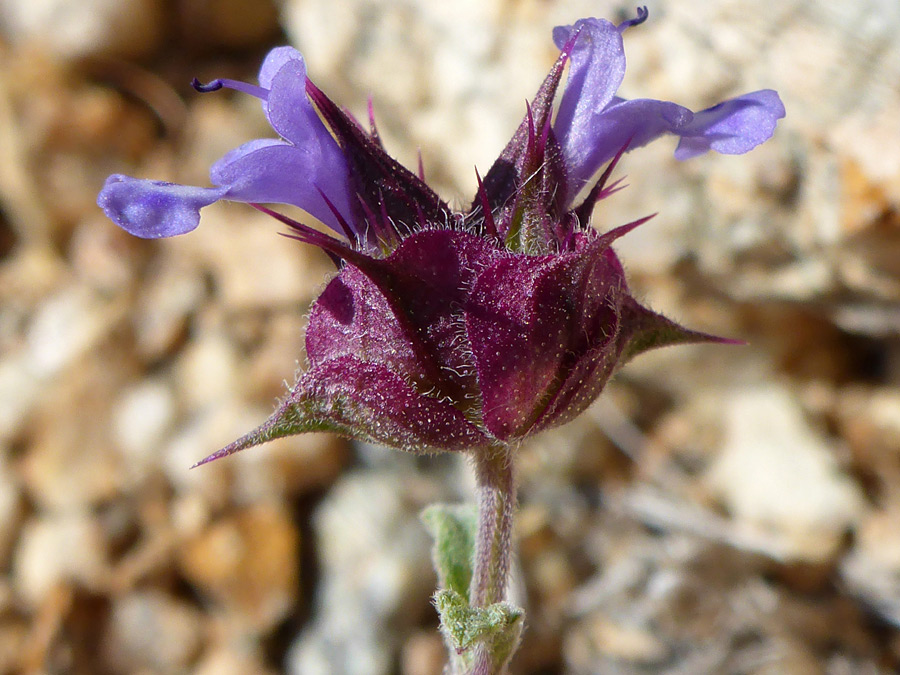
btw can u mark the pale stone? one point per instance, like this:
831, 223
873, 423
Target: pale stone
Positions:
363, 577
207, 370
59, 549
251, 265
65, 327
143, 416
777, 476
232, 660
171, 292
11, 509
20, 390
151, 630
76, 29
289, 466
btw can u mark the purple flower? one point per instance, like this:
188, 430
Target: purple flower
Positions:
305, 168
592, 123
447, 330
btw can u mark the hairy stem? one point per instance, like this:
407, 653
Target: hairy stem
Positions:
493, 544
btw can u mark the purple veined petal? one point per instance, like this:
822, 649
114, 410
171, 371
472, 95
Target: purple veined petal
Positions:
732, 127
273, 171
597, 67
154, 209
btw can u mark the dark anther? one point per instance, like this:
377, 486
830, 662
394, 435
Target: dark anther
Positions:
642, 14
215, 85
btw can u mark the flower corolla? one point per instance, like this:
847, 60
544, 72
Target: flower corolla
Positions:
448, 330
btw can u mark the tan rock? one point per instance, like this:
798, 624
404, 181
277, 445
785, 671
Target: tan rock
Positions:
248, 563
777, 478
68, 548
72, 30
149, 629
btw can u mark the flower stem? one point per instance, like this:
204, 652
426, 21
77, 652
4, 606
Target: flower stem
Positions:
493, 544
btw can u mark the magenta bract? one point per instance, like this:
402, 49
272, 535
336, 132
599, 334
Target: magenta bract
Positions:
447, 330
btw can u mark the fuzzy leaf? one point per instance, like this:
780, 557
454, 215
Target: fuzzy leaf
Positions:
453, 529
465, 626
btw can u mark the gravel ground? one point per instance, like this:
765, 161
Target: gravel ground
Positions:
719, 510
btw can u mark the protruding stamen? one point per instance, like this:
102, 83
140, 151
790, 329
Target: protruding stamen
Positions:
642, 14
215, 85
224, 83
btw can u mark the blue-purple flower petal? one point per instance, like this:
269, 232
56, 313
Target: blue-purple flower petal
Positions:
153, 209
290, 111
597, 67
592, 124
274, 61
273, 171
297, 170
732, 127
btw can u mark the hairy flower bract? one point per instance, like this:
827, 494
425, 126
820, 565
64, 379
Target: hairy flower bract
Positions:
448, 330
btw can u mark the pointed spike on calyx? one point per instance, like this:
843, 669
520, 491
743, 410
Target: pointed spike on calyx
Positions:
386, 223
566, 51
335, 259
378, 177
373, 128
352, 236
614, 187
607, 238
309, 235
500, 182
487, 214
421, 166
598, 192
651, 330
246, 441
373, 220
546, 130
532, 131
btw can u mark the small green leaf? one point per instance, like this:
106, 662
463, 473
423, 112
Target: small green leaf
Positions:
453, 530
498, 625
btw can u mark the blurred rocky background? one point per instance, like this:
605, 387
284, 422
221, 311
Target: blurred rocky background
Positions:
719, 510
